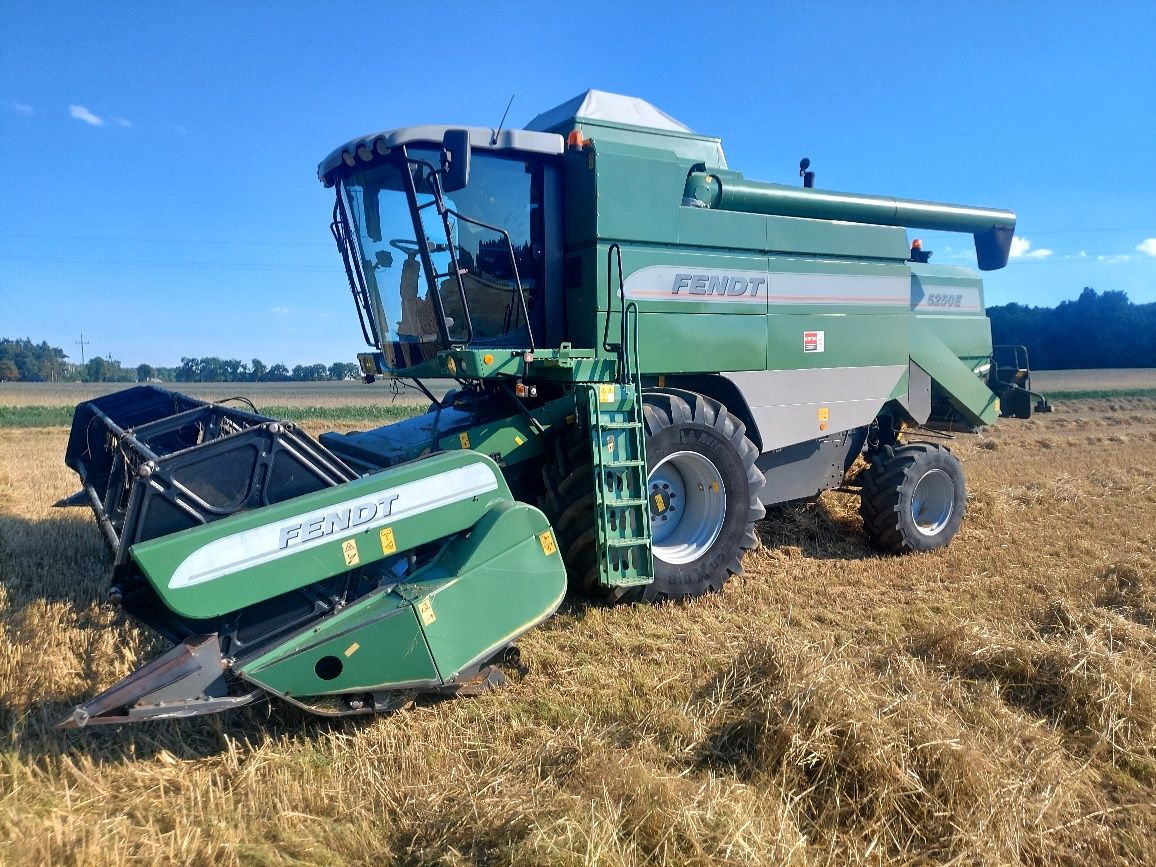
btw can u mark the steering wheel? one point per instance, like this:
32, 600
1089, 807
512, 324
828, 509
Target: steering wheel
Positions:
410, 248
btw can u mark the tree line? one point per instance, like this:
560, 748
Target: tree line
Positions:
213, 369
22, 359
1096, 330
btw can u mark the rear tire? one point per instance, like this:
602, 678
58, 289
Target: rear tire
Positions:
913, 498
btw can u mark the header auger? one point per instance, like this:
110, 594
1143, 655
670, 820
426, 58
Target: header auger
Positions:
649, 350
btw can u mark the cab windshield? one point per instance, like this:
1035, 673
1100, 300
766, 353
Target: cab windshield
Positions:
403, 262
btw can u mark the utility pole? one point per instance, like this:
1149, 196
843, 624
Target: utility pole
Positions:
82, 343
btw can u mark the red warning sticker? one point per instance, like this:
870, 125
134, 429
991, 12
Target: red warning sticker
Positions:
813, 341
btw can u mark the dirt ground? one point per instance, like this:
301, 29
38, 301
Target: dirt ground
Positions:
990, 703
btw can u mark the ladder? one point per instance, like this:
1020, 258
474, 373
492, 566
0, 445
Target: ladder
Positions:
614, 415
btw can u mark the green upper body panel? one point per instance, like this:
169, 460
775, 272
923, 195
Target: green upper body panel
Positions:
726, 274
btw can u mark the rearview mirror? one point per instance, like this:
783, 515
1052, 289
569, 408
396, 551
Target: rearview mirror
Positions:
455, 159
372, 212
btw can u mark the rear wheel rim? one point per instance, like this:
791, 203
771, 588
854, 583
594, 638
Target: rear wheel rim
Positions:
687, 506
932, 502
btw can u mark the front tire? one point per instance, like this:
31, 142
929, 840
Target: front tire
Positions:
700, 453
691, 440
913, 498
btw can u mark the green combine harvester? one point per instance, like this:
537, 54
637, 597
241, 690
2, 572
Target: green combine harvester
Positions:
649, 350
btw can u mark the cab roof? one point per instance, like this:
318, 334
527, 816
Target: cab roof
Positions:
370, 148
611, 116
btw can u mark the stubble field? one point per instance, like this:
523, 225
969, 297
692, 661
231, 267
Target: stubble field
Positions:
992, 703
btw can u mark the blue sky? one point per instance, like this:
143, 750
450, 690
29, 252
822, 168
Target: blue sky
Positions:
158, 160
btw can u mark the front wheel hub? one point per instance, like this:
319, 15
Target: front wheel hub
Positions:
932, 502
687, 506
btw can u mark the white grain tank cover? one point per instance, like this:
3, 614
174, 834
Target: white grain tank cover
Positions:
610, 107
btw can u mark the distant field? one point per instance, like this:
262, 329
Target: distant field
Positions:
1086, 380
49, 404
1121, 382
299, 394
353, 414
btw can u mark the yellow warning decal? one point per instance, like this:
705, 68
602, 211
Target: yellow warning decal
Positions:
352, 649
388, 545
464, 439
426, 612
549, 546
714, 487
662, 380
349, 549
606, 393
659, 503
518, 440
824, 413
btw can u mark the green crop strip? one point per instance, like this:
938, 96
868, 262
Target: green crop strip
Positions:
35, 416
61, 416
377, 412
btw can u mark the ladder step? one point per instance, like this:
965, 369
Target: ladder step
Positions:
640, 581
623, 521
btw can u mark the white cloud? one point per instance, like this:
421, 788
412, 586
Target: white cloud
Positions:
19, 107
1147, 246
1113, 258
120, 121
81, 113
281, 311
1021, 248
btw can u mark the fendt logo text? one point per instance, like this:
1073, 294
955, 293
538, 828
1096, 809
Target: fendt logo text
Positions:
340, 519
715, 284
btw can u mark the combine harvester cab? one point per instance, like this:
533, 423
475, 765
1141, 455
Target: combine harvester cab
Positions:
649, 346
277, 570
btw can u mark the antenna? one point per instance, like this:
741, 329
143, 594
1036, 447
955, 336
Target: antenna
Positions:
502, 122
82, 343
